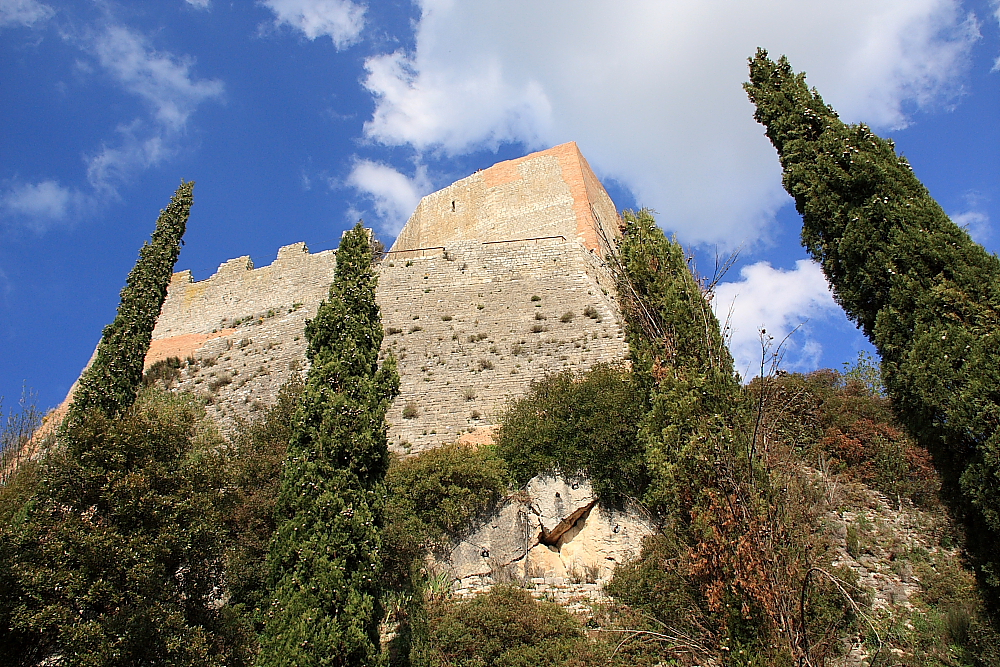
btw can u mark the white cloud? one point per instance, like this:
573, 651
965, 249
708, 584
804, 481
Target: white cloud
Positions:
974, 219
340, 20
776, 301
200, 4
165, 83
26, 13
393, 194
162, 79
996, 14
41, 204
651, 89
139, 149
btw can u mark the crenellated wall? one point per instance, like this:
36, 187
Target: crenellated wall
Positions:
496, 281
471, 325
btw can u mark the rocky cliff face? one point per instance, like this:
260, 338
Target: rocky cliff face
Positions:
553, 537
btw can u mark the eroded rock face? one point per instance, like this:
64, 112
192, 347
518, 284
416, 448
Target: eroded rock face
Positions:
553, 532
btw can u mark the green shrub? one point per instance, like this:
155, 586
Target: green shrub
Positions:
579, 425
166, 371
92, 563
438, 494
257, 452
502, 628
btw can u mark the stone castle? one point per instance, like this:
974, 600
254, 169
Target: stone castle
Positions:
495, 281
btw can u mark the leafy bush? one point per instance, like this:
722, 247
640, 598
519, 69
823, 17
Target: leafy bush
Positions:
502, 628
438, 494
579, 425
115, 557
166, 371
853, 428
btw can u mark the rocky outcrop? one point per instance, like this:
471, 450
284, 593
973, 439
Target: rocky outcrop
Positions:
553, 537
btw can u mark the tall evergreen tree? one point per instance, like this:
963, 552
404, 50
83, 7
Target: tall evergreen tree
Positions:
112, 557
325, 558
111, 382
923, 292
678, 352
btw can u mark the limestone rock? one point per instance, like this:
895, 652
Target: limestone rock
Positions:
552, 533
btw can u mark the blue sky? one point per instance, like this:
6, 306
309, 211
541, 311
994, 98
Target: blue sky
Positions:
297, 117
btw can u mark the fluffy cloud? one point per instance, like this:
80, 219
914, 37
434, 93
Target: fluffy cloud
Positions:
165, 83
393, 194
974, 218
200, 4
651, 89
162, 79
340, 20
41, 204
27, 13
777, 301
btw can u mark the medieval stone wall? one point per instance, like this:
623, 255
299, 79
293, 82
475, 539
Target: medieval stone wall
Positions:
471, 325
549, 193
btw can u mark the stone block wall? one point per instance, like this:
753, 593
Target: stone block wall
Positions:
471, 324
549, 193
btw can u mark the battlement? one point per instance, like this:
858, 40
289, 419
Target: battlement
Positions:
238, 290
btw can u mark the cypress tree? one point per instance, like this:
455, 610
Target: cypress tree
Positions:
924, 293
325, 558
678, 353
113, 558
111, 382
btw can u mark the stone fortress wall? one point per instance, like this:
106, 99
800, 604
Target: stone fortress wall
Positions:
496, 281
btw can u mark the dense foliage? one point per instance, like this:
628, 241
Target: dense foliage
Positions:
579, 424
325, 561
257, 450
737, 518
114, 557
924, 293
437, 495
679, 358
502, 628
848, 429
110, 383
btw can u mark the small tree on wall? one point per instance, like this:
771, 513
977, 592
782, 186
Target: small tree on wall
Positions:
325, 560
